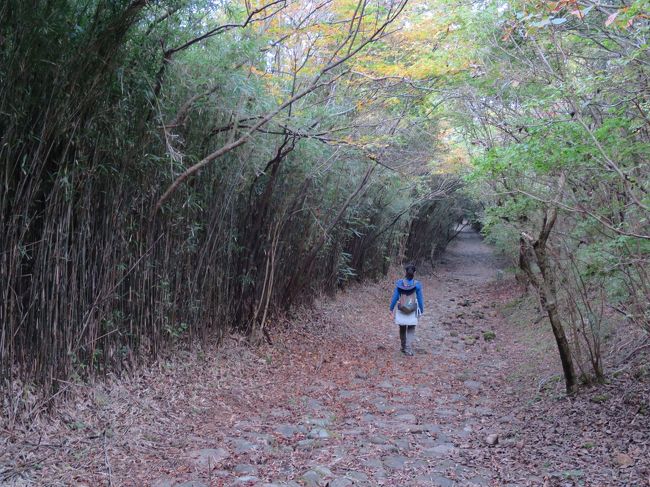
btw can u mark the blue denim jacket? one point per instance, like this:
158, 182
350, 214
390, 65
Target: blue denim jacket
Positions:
407, 285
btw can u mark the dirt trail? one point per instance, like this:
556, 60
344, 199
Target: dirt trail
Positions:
346, 408
331, 403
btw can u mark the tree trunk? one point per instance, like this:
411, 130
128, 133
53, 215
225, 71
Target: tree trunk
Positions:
548, 298
545, 286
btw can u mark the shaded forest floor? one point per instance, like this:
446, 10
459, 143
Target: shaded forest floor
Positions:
333, 402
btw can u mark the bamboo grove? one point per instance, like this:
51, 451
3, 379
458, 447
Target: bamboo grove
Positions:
176, 170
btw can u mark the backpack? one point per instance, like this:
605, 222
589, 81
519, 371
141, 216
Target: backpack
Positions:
407, 303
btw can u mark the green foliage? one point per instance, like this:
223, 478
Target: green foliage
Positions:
556, 119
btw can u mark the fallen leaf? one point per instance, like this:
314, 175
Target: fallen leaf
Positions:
623, 460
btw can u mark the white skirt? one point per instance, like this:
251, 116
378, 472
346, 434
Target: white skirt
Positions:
406, 319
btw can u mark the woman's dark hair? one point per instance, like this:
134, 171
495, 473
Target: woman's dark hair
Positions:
410, 271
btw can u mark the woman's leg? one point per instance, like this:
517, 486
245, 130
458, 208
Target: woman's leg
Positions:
410, 338
402, 338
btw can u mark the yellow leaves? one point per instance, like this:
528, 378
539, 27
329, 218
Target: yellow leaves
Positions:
345, 8
454, 161
392, 102
424, 68
431, 42
452, 155
555, 7
258, 72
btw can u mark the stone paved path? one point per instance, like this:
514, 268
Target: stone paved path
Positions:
333, 403
394, 420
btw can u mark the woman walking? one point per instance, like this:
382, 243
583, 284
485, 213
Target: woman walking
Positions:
405, 307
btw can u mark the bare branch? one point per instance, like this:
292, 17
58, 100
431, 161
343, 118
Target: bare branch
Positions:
313, 85
226, 27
